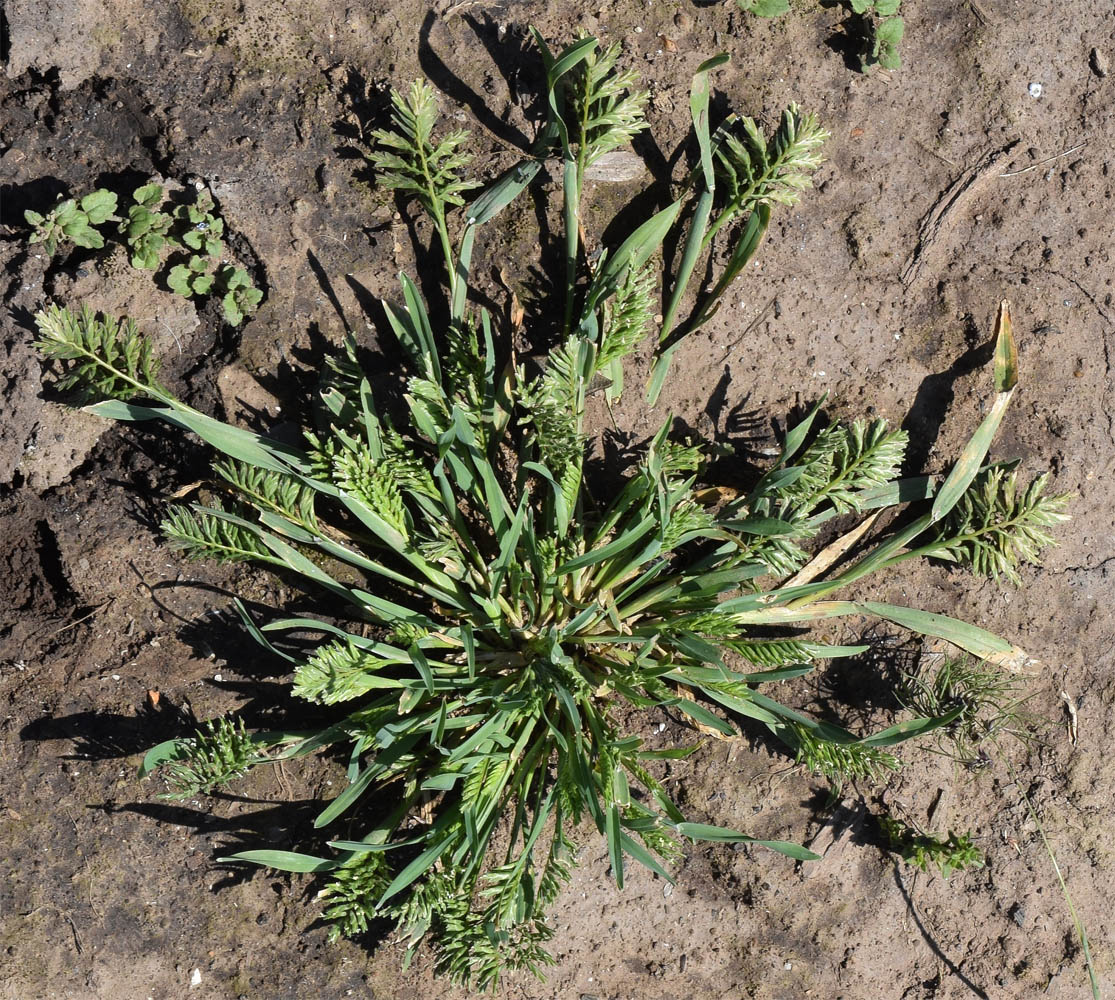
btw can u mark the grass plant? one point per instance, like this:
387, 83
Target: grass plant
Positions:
506, 614
989, 701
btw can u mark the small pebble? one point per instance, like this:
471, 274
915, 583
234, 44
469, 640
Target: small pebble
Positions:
1035, 90
617, 167
1099, 63
195, 978
667, 891
787, 966
218, 677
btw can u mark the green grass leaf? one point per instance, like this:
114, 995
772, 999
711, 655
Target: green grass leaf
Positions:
285, 861
971, 638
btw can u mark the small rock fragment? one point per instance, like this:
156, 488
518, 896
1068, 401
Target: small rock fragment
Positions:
1099, 63
195, 978
616, 167
1035, 89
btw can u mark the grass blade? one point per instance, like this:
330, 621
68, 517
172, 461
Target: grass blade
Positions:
971, 638
286, 861
720, 834
614, 547
971, 458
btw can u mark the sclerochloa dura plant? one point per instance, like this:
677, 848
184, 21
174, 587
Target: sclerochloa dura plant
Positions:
507, 611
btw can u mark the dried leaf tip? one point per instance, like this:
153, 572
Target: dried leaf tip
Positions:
1006, 352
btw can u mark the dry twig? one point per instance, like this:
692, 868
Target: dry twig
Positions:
957, 194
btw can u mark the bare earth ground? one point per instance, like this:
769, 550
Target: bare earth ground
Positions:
109, 892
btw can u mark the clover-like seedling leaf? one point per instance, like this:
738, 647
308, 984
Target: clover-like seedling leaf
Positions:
766, 8
241, 298
199, 239
99, 206
179, 280
234, 278
66, 214
83, 235
139, 221
149, 195
887, 36
231, 309
146, 250
145, 260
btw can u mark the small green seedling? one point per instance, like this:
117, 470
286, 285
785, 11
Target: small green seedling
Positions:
883, 32
72, 221
883, 45
149, 231
146, 229
986, 702
201, 228
882, 28
954, 853
191, 278
240, 298
765, 8
881, 8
